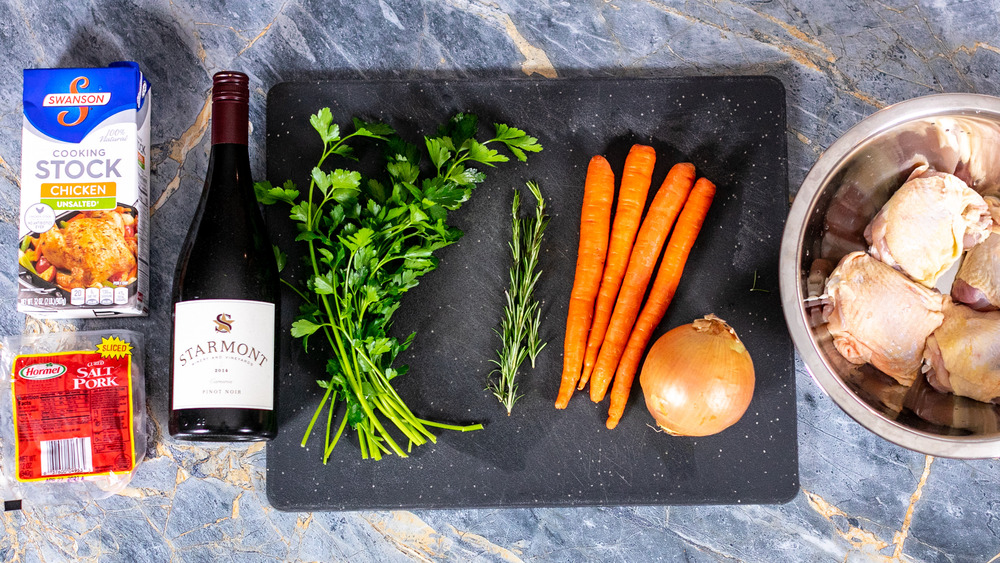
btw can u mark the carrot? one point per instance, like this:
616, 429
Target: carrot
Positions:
664, 287
636, 177
649, 242
595, 220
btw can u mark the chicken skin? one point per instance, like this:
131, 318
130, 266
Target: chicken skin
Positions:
964, 354
978, 281
926, 225
92, 247
879, 316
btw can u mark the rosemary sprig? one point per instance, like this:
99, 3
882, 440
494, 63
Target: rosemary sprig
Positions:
522, 315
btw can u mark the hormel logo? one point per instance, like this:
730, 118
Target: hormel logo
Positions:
42, 371
77, 99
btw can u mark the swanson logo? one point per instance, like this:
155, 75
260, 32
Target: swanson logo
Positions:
223, 323
82, 100
42, 371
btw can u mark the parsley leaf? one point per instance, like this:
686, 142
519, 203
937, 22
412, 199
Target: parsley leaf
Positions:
323, 123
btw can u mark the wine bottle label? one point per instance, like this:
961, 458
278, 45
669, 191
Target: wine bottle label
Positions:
223, 354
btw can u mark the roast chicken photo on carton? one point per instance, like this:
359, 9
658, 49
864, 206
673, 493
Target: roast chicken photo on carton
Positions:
92, 248
926, 225
879, 316
882, 308
978, 281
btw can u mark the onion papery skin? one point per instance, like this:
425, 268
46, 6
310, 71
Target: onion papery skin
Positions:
698, 378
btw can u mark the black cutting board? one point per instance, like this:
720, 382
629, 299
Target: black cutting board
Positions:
732, 129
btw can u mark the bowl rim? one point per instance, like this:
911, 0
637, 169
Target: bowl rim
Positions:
790, 286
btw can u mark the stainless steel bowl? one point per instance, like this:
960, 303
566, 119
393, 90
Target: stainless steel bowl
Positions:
957, 133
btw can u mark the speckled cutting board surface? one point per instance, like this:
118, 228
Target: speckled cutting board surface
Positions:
732, 129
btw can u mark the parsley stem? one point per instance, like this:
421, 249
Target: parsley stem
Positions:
316, 416
466, 428
394, 404
329, 449
390, 409
329, 421
293, 288
363, 442
355, 386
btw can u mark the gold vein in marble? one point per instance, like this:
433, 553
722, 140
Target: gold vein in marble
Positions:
264, 31
817, 57
416, 539
239, 32
977, 46
801, 56
486, 546
180, 148
900, 537
201, 53
303, 522
858, 538
800, 35
236, 506
410, 535
866, 542
535, 59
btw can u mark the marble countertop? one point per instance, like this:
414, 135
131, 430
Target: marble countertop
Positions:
861, 498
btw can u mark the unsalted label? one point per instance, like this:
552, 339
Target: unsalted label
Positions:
223, 354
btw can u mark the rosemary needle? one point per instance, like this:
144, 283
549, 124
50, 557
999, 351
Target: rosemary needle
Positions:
522, 315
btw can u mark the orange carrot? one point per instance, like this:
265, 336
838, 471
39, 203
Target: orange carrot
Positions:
649, 242
595, 220
671, 267
636, 178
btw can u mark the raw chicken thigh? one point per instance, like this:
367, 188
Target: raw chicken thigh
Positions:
927, 224
877, 315
978, 281
964, 353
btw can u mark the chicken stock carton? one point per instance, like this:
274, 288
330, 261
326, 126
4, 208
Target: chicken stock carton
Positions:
83, 240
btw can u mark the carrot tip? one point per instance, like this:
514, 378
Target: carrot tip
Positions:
612, 423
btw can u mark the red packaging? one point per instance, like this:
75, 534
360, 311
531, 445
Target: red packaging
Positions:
73, 426
73, 413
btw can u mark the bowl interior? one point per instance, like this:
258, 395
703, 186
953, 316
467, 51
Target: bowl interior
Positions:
851, 181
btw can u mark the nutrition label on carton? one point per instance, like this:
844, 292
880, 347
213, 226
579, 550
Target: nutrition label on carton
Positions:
73, 412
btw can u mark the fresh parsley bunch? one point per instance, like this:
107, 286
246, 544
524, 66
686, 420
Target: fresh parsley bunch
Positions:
368, 242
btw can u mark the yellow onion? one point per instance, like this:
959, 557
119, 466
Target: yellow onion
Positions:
698, 378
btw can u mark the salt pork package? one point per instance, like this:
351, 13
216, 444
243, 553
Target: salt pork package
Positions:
83, 242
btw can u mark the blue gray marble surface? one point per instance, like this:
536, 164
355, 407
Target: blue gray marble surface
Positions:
861, 498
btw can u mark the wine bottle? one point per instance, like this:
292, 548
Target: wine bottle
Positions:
225, 294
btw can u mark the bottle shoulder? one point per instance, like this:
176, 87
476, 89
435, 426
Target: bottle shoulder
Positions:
227, 251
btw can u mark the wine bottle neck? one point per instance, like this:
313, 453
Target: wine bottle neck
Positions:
230, 108
230, 123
